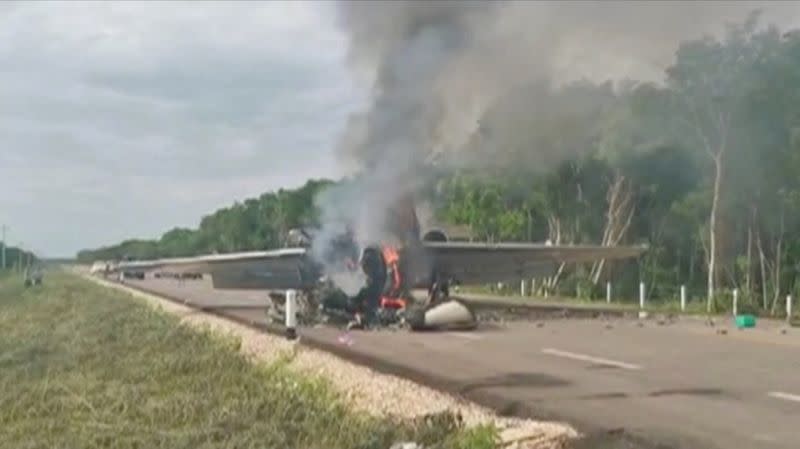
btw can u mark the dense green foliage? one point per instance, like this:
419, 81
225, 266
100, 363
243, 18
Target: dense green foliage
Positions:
84, 366
703, 168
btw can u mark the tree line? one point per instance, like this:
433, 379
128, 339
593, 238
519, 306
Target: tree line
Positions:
703, 168
256, 223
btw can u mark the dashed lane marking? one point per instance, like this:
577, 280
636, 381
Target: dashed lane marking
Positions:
784, 396
589, 358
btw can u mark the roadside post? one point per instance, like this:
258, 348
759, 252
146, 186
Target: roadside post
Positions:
642, 313
641, 295
291, 314
522, 288
608, 292
683, 298
788, 308
3, 229
735, 302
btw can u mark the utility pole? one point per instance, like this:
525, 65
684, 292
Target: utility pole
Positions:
4, 227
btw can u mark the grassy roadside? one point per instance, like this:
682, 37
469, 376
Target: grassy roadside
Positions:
86, 367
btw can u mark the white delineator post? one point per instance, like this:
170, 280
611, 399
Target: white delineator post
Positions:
3, 243
291, 314
608, 292
683, 298
522, 287
788, 308
641, 295
735, 301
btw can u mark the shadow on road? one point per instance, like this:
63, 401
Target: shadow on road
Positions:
515, 380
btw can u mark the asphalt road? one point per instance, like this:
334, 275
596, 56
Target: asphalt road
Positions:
676, 385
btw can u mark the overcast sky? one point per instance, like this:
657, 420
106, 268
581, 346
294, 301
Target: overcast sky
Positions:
127, 119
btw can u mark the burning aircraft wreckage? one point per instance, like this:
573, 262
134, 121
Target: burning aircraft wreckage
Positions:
367, 286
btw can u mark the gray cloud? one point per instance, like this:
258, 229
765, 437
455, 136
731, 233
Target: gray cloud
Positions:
125, 119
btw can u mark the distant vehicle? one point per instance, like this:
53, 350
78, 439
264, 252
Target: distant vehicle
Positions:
33, 276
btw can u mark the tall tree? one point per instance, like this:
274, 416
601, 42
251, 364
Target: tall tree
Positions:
710, 80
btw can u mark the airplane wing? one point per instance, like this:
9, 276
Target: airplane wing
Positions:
278, 269
482, 263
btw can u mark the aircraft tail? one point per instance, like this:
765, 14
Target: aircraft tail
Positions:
402, 219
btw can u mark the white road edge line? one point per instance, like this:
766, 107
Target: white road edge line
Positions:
784, 396
588, 358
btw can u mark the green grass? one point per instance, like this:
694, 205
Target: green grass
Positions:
86, 367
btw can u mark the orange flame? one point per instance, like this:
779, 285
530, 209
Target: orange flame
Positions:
391, 257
